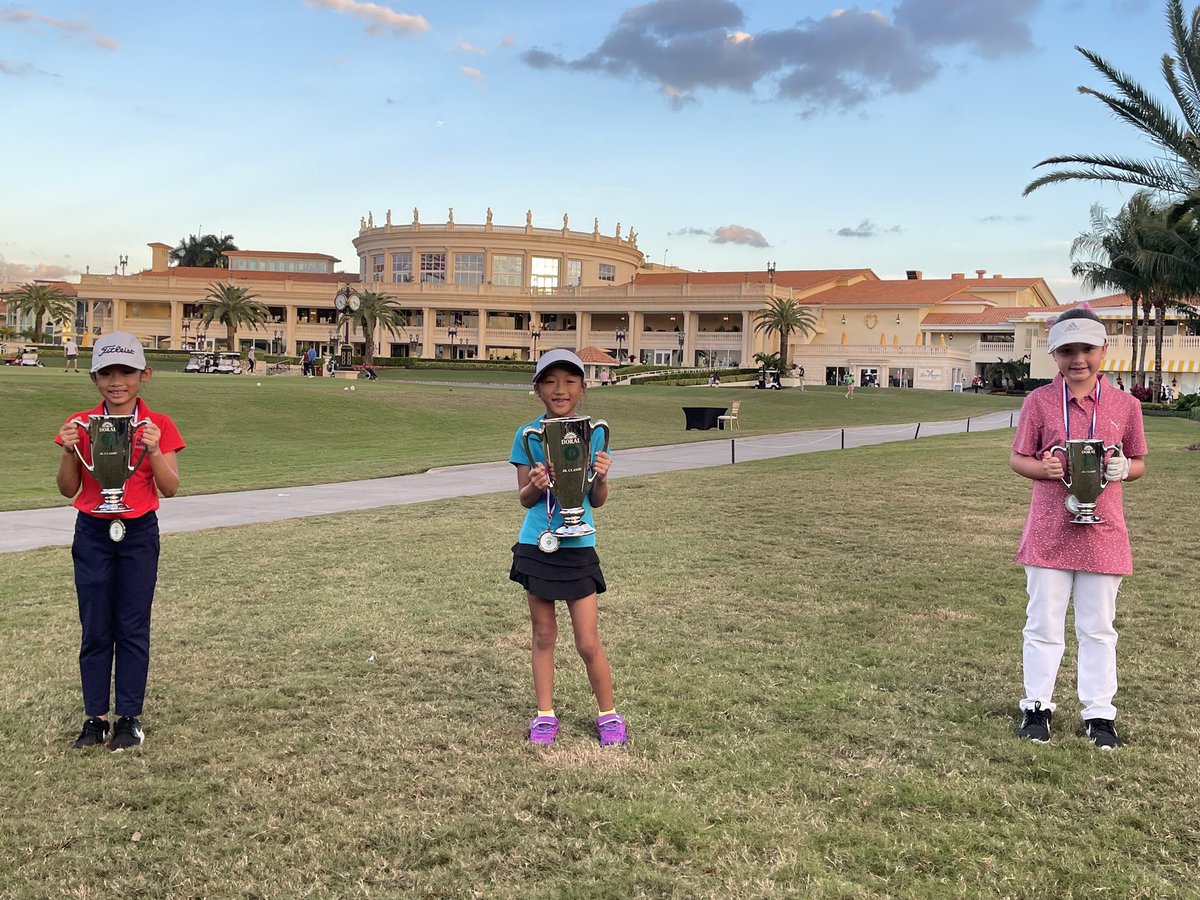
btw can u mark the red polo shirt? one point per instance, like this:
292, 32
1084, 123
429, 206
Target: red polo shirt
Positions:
1050, 541
140, 493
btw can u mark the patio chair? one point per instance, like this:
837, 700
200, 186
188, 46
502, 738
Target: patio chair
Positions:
731, 417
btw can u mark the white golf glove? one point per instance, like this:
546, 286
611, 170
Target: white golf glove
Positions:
1118, 467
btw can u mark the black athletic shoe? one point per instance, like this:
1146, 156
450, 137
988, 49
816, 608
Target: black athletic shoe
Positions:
128, 733
1102, 733
94, 733
1035, 724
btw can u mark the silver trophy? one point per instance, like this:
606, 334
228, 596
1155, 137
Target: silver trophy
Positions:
567, 444
1085, 468
112, 440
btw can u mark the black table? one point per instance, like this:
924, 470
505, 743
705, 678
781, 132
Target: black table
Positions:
702, 417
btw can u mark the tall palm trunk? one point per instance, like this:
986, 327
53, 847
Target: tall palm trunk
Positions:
783, 349
368, 345
1145, 334
1133, 342
1160, 314
230, 335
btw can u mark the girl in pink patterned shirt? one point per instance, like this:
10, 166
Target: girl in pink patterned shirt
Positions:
1065, 561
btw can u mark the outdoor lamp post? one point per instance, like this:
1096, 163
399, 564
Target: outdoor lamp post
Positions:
187, 326
333, 341
276, 341
535, 332
452, 333
413, 343
620, 335
680, 336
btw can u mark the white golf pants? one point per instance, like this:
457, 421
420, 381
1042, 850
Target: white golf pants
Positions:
1095, 598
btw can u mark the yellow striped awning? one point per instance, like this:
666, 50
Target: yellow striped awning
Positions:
1179, 366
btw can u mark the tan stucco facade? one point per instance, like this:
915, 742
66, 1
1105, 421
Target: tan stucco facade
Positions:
484, 290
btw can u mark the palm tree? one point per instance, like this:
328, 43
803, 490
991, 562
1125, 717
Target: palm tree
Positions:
205, 252
1175, 171
1170, 255
1108, 257
377, 311
783, 316
42, 301
232, 307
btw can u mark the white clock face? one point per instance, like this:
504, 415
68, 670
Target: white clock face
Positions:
353, 302
340, 302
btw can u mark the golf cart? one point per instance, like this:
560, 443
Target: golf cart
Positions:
201, 362
28, 356
229, 363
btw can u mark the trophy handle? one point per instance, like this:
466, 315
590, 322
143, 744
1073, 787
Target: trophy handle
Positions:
90, 468
1109, 450
132, 428
596, 426
538, 433
1063, 450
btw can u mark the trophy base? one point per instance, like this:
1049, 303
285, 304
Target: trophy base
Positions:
113, 504
1085, 513
580, 530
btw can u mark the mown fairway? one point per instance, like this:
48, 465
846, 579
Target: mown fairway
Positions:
818, 656
292, 430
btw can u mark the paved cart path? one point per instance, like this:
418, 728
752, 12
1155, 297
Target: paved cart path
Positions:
34, 528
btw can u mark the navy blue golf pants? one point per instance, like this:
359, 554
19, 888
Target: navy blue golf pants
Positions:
115, 582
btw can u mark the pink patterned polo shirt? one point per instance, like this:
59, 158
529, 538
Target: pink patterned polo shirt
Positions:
1050, 540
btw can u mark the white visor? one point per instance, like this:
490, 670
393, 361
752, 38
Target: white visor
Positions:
1076, 331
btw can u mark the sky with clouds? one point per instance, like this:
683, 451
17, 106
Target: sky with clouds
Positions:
727, 133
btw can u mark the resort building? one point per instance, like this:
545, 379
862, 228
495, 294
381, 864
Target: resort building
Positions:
492, 291
1180, 347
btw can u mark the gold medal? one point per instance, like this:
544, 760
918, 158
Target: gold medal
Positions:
116, 531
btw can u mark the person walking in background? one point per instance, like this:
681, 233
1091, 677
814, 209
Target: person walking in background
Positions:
70, 355
116, 554
250, 359
1066, 562
555, 569
849, 386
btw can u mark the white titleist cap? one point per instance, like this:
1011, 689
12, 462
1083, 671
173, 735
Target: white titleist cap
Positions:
559, 357
118, 349
1076, 331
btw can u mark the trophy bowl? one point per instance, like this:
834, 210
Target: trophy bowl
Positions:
111, 439
1084, 479
567, 445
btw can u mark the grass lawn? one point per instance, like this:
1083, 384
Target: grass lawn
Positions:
293, 430
821, 687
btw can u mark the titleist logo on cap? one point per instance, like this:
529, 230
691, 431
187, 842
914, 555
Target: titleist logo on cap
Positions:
117, 348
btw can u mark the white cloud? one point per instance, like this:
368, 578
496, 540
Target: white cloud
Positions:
378, 19
739, 234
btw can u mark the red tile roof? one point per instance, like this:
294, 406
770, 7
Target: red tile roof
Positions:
798, 279
992, 316
279, 254
921, 291
596, 356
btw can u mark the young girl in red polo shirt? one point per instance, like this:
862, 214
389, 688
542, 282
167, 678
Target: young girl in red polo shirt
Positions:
116, 554
1064, 561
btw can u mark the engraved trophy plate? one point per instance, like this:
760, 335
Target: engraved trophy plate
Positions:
567, 443
1084, 479
111, 439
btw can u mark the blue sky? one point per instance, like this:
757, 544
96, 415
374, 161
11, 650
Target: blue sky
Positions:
728, 133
